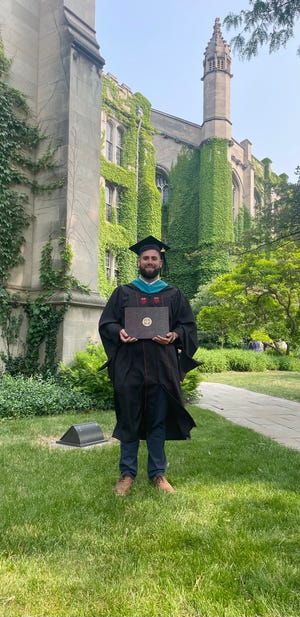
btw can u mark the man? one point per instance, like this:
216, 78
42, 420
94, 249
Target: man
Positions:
146, 372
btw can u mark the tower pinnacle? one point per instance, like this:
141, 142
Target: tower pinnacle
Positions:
216, 91
217, 53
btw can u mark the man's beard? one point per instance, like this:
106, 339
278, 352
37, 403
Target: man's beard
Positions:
149, 274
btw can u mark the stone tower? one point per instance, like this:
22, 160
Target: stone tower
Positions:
57, 65
216, 87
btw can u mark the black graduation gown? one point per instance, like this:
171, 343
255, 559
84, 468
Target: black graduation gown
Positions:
135, 368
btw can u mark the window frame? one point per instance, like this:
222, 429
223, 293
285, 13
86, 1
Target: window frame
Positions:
114, 141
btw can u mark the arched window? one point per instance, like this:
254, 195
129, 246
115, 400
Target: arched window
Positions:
111, 266
112, 202
162, 184
113, 141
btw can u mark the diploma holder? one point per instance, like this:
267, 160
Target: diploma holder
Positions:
147, 322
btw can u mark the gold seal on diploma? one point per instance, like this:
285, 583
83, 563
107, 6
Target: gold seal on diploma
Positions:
147, 321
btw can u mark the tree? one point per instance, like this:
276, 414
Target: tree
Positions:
263, 292
227, 318
287, 211
267, 22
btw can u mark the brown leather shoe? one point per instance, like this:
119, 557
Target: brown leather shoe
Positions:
162, 483
124, 485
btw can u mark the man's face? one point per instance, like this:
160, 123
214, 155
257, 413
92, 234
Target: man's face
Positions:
150, 264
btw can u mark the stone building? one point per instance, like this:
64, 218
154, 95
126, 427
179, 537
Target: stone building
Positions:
57, 65
234, 184
174, 132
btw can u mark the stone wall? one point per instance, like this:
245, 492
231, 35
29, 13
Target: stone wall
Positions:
57, 64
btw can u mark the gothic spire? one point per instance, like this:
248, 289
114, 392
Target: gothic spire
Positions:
216, 87
217, 53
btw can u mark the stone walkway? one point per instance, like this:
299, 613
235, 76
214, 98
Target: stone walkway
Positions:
271, 416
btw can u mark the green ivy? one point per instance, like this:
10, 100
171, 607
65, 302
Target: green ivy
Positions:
198, 215
197, 221
19, 169
215, 220
139, 210
265, 182
44, 315
181, 215
242, 224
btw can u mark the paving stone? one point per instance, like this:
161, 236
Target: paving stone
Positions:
276, 418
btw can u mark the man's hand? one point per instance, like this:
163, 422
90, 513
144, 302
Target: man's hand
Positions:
125, 338
166, 340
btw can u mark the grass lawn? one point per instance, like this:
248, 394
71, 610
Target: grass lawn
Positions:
225, 544
283, 384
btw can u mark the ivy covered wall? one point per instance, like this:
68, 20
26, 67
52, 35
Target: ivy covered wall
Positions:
215, 209
266, 187
139, 199
196, 221
181, 221
196, 217
20, 167
242, 224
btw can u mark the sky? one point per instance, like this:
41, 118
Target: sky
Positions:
157, 48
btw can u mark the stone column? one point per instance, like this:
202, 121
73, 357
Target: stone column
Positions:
72, 107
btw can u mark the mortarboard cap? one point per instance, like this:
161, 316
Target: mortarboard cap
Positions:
149, 243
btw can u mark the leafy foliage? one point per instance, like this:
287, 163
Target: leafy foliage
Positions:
22, 397
44, 315
215, 203
19, 167
262, 292
286, 214
242, 224
268, 22
244, 360
181, 221
189, 386
134, 179
83, 375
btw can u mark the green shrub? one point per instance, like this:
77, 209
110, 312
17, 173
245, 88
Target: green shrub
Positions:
241, 360
273, 360
214, 360
83, 375
246, 361
190, 384
28, 396
288, 363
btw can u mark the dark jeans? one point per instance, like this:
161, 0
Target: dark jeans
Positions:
155, 438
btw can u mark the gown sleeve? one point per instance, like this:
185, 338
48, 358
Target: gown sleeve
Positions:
186, 328
111, 322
